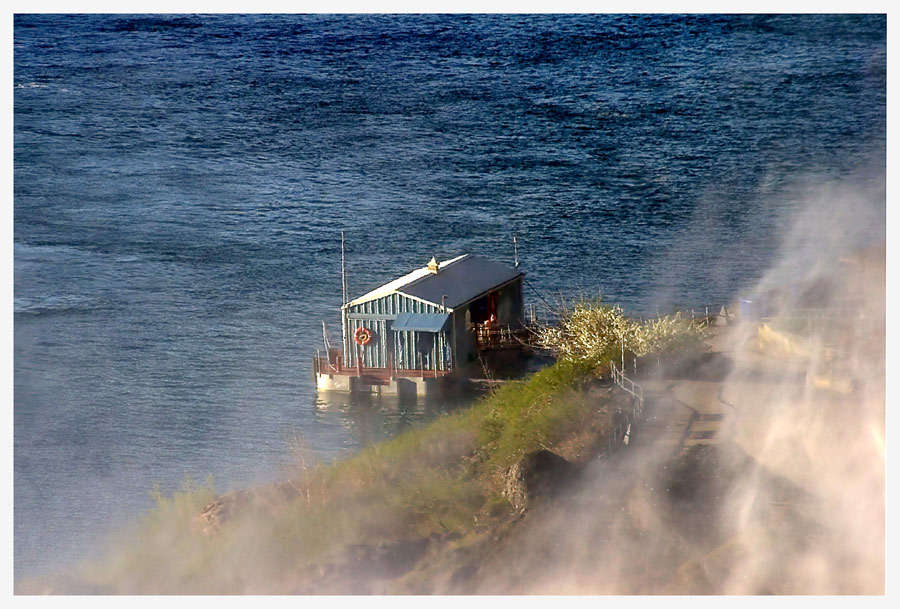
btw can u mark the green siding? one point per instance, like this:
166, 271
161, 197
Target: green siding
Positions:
379, 315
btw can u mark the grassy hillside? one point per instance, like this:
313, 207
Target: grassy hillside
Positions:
385, 514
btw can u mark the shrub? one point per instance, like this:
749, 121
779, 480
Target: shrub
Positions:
594, 333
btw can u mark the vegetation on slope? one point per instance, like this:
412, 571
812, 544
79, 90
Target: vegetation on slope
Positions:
593, 332
440, 484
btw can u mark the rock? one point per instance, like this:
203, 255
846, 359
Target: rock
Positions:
213, 515
538, 473
386, 560
367, 568
268, 499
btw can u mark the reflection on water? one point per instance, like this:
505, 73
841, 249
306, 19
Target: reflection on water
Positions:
362, 420
345, 423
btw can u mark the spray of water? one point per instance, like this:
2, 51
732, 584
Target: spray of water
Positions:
785, 492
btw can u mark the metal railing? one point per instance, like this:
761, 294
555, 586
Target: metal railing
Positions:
498, 337
622, 420
329, 365
628, 386
323, 365
696, 313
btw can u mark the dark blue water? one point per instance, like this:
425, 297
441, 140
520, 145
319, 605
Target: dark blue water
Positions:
181, 184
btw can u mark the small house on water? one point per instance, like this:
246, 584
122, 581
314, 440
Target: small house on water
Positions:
425, 329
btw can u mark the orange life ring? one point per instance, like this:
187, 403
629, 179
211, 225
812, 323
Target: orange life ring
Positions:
362, 336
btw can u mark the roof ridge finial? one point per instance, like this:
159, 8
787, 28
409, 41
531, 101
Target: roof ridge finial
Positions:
433, 265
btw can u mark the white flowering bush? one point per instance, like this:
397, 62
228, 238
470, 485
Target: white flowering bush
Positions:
668, 333
595, 333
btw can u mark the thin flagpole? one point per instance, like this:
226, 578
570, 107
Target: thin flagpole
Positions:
343, 273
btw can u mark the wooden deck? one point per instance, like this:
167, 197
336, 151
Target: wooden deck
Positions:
502, 337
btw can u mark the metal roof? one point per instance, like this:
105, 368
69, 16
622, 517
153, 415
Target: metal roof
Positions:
393, 286
461, 281
420, 322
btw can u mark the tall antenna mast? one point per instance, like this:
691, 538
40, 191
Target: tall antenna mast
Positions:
343, 274
516, 250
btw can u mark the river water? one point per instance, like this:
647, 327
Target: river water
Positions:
180, 184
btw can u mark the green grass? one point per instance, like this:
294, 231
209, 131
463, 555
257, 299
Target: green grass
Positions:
443, 478
522, 418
